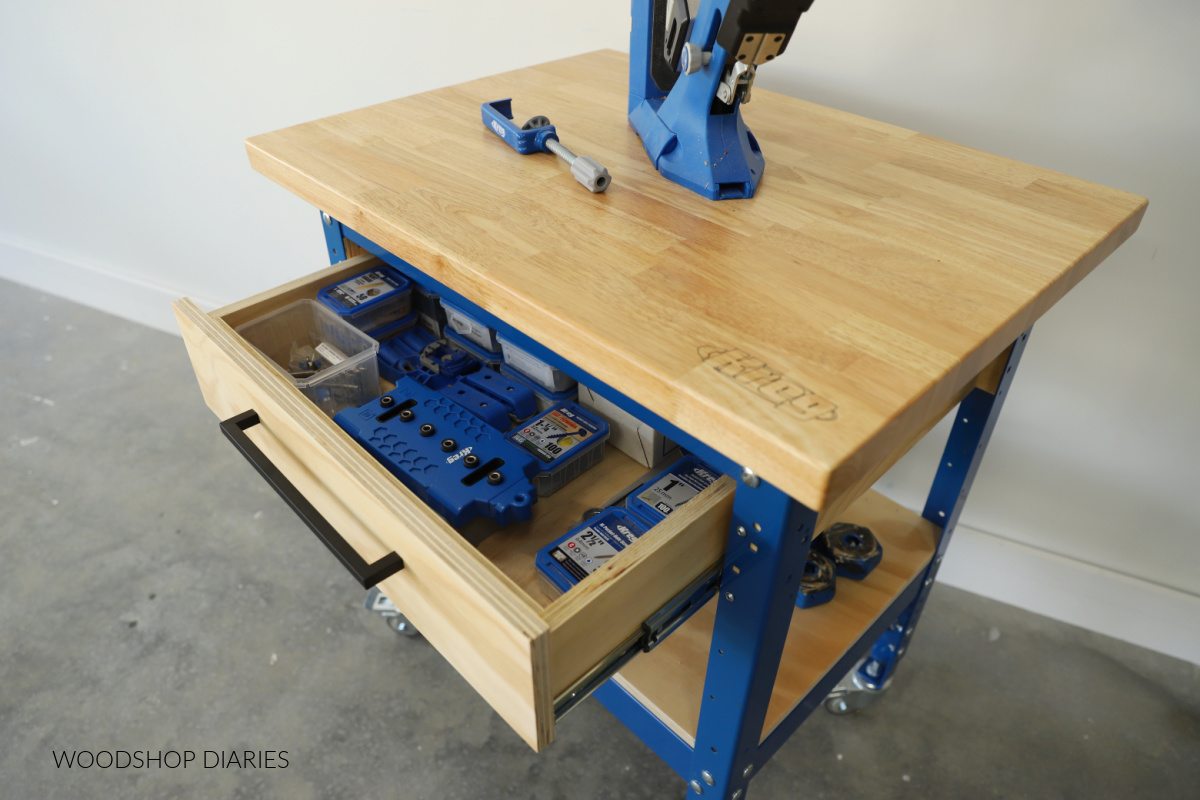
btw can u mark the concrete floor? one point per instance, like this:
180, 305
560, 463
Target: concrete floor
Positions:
156, 595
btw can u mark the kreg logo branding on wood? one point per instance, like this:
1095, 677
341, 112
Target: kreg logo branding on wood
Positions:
754, 375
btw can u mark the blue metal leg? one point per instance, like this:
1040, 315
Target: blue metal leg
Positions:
973, 426
765, 558
333, 238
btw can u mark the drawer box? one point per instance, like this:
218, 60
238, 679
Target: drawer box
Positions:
481, 606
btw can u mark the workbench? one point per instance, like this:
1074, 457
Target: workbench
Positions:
800, 341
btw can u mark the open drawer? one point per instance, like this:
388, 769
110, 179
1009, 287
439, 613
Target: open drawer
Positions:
481, 606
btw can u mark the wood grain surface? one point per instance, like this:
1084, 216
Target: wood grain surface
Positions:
805, 332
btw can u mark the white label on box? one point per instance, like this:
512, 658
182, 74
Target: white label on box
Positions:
668, 493
330, 353
363, 289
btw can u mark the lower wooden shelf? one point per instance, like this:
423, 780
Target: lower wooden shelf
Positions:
669, 680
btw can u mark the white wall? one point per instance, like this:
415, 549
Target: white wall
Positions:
123, 183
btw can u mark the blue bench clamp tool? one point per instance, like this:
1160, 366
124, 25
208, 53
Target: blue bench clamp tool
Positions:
538, 136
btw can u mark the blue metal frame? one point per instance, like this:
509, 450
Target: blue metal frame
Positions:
334, 238
756, 600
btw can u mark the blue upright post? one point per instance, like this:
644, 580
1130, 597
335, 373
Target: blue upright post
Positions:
969, 437
768, 545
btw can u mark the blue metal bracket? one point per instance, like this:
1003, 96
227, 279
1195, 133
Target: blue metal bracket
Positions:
713, 154
334, 242
497, 116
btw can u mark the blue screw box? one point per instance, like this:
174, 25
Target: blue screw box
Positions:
370, 300
587, 547
566, 439
660, 496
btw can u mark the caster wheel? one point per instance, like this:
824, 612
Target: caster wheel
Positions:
401, 625
838, 706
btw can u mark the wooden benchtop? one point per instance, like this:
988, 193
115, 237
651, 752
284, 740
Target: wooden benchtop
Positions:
806, 332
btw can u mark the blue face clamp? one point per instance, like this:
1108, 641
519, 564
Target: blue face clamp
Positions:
537, 135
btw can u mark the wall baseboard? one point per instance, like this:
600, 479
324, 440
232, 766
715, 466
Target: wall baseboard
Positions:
1133, 610
92, 285
1130, 609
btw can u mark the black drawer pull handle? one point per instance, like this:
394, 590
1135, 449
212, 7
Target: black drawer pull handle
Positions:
366, 574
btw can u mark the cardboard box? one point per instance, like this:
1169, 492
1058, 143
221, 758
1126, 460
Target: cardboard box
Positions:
627, 433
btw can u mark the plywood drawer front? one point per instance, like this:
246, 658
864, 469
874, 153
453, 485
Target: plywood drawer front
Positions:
466, 607
518, 648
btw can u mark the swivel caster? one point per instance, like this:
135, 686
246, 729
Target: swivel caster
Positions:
379, 602
854, 692
401, 624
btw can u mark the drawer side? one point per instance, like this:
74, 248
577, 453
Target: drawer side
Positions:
594, 618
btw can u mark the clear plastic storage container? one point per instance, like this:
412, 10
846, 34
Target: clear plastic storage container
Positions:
467, 326
538, 371
329, 360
